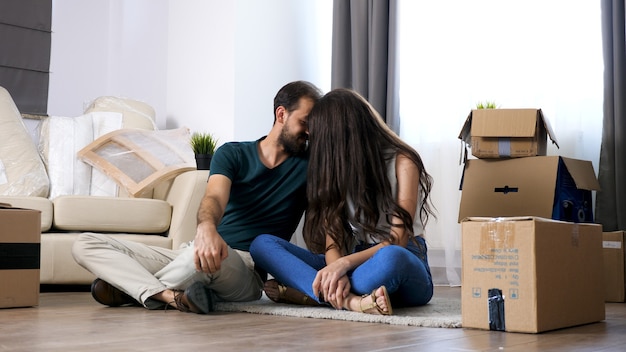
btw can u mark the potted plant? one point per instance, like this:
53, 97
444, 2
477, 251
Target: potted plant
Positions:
203, 145
486, 105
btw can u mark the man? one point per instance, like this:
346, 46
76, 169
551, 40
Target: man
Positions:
254, 187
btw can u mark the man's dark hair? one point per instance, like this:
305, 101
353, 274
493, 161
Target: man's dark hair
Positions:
289, 95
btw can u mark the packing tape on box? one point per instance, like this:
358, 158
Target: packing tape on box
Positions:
19, 256
496, 236
575, 235
496, 309
504, 147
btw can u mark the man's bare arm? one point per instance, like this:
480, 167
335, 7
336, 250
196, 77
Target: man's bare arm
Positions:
209, 247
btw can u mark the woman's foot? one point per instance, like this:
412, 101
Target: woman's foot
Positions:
283, 294
375, 303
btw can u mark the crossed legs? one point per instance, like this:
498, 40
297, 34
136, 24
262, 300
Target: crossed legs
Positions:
151, 274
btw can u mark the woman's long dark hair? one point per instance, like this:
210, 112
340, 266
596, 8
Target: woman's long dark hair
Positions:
349, 145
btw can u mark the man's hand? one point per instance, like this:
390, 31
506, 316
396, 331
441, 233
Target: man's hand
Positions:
209, 251
209, 247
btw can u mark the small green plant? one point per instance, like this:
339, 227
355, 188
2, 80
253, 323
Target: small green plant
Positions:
203, 143
486, 105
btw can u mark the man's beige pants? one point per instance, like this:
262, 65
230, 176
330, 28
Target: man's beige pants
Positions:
142, 271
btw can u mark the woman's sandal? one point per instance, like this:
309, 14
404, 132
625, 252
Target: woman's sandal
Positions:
368, 308
282, 294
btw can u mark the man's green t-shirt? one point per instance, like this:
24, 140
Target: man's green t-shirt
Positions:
262, 200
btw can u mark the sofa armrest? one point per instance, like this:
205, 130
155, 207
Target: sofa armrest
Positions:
185, 195
44, 205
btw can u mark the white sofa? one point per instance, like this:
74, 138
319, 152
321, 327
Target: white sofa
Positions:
173, 209
165, 216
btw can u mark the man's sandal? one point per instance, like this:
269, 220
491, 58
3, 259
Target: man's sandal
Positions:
282, 294
368, 307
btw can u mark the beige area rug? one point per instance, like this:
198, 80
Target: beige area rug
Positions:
441, 312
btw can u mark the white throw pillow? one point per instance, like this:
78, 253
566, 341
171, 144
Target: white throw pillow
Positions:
61, 138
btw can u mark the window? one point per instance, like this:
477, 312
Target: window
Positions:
520, 54
25, 35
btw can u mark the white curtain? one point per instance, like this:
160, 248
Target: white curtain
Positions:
520, 54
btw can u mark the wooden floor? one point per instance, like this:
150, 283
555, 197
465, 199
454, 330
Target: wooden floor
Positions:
73, 321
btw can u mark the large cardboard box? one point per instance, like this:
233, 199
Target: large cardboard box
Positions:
550, 187
507, 133
20, 238
614, 265
530, 274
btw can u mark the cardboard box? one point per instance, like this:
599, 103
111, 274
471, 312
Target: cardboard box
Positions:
550, 187
530, 274
614, 265
20, 241
507, 133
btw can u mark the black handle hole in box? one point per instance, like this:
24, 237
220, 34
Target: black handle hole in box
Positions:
506, 189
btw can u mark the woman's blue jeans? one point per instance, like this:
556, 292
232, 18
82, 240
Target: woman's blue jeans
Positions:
404, 271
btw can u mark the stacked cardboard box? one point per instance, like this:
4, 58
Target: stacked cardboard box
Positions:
552, 187
532, 257
530, 274
20, 237
614, 266
507, 133
513, 177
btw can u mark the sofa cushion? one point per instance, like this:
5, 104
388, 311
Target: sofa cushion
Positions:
59, 267
44, 205
22, 172
111, 214
136, 114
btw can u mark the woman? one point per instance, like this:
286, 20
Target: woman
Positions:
368, 204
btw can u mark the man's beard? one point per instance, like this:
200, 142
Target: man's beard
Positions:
292, 143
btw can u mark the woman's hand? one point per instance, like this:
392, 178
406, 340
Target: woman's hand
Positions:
332, 283
337, 298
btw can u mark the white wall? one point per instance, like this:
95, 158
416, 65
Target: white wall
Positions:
201, 67
107, 47
274, 45
209, 65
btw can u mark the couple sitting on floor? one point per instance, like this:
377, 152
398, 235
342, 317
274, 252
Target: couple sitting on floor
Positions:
365, 193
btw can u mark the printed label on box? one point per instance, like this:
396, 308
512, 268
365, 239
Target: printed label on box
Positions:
503, 263
612, 244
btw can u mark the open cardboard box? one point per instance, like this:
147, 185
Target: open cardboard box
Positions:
507, 133
20, 237
530, 274
552, 187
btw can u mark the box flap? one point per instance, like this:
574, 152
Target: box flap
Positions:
546, 124
465, 135
5, 205
504, 123
507, 218
583, 174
